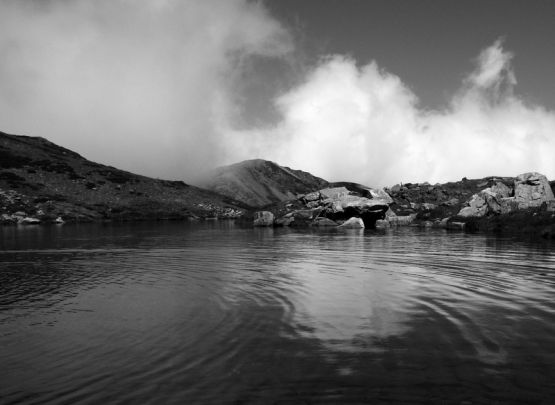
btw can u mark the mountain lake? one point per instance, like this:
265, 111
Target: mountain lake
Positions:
216, 312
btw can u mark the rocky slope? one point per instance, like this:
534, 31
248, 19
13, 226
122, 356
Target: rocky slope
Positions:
43, 181
260, 182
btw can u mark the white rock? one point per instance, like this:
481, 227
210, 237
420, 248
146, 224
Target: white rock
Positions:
353, 222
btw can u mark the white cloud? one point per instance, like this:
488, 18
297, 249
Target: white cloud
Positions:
136, 84
363, 124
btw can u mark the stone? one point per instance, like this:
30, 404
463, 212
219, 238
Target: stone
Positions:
532, 189
508, 204
29, 221
334, 193
263, 218
352, 222
428, 206
451, 202
396, 188
501, 189
315, 196
389, 214
59, 220
285, 220
322, 221
443, 222
313, 204
402, 220
381, 194
477, 207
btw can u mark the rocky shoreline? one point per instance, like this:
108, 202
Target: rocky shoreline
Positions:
525, 204
41, 183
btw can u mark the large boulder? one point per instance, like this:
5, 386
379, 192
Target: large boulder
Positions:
477, 207
491, 200
263, 218
353, 222
381, 194
334, 193
501, 189
347, 206
333, 205
531, 190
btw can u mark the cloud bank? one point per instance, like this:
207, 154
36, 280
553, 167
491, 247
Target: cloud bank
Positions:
155, 87
136, 84
364, 124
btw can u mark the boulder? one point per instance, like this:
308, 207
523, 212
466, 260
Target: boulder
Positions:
29, 221
334, 193
369, 210
380, 194
501, 189
315, 196
263, 218
352, 222
322, 221
336, 204
477, 207
284, 221
531, 190
402, 220
451, 202
396, 188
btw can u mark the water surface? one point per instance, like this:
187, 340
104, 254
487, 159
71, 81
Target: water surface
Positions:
215, 313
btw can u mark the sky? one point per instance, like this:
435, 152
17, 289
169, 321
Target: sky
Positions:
373, 91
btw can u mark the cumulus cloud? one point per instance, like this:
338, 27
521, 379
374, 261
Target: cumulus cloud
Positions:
364, 124
136, 84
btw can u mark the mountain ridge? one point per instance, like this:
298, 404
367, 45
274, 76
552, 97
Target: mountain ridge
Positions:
258, 182
45, 181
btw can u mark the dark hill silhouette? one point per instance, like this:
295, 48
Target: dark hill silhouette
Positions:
42, 180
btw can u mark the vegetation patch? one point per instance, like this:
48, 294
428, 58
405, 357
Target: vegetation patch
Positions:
12, 179
10, 160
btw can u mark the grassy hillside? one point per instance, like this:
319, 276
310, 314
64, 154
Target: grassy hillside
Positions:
43, 180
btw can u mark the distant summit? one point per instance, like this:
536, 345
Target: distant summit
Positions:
260, 182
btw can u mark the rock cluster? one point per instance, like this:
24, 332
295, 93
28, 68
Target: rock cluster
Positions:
530, 190
335, 206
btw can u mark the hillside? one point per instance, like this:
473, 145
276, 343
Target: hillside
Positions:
260, 182
42, 180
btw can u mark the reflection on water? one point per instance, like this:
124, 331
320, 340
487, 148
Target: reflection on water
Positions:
214, 313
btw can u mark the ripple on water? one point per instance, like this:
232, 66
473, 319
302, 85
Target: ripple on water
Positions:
173, 313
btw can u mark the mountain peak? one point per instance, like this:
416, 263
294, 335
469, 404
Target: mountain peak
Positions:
259, 182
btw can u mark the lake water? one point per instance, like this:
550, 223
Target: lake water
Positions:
216, 313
